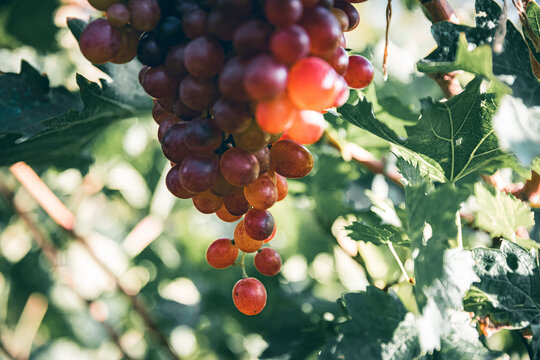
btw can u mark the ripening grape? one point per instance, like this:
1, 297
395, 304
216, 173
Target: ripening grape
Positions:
118, 15
204, 57
291, 159
224, 215
174, 61
129, 39
173, 184
350, 11
268, 262
259, 224
159, 84
263, 157
199, 173
265, 77
231, 117
253, 138
323, 30
221, 253
359, 73
173, 143
249, 296
283, 12
99, 41
231, 80
282, 187
311, 84
103, 5
198, 94
289, 44
202, 135
307, 127
239, 167
145, 14
275, 115
251, 37
195, 22
207, 202
243, 241
262, 193
235, 202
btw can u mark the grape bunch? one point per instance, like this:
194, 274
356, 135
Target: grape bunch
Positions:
239, 86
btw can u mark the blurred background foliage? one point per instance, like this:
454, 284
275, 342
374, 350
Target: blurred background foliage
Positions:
57, 302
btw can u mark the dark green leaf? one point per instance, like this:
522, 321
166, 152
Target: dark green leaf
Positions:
532, 35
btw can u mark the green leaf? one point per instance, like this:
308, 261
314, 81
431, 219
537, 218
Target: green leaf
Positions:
55, 127
512, 65
410, 172
510, 278
376, 235
28, 22
452, 139
532, 35
500, 213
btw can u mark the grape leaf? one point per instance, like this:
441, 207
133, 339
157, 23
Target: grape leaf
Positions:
512, 65
62, 127
510, 278
377, 235
532, 35
452, 139
28, 22
500, 213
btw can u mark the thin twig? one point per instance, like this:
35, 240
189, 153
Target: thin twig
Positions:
385, 57
398, 260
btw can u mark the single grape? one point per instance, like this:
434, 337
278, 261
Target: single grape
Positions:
199, 173
275, 115
221, 253
103, 5
243, 241
268, 262
291, 159
359, 73
149, 51
323, 30
173, 143
263, 157
342, 90
172, 181
183, 111
118, 15
129, 40
262, 193
339, 60
231, 80
311, 84
100, 41
251, 37
235, 202
158, 83
165, 124
307, 127
145, 14
271, 236
167, 103
224, 215
195, 22
282, 187
265, 78
202, 135
239, 167
198, 94
207, 202
283, 12
204, 57
174, 61
249, 296
169, 31
159, 113
253, 138
259, 224
231, 117
289, 44
351, 12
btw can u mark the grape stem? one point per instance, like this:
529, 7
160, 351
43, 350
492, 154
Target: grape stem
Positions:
398, 260
242, 264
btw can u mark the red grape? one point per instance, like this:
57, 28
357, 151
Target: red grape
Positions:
323, 30
235, 202
202, 135
145, 14
307, 127
265, 78
199, 173
99, 41
204, 57
231, 117
275, 115
118, 15
159, 84
249, 296
239, 167
198, 94
359, 73
207, 202
172, 181
282, 187
291, 159
221, 253
243, 241
262, 193
290, 44
283, 12
251, 37
259, 224
268, 262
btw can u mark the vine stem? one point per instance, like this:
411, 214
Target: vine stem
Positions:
66, 219
243, 265
398, 260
